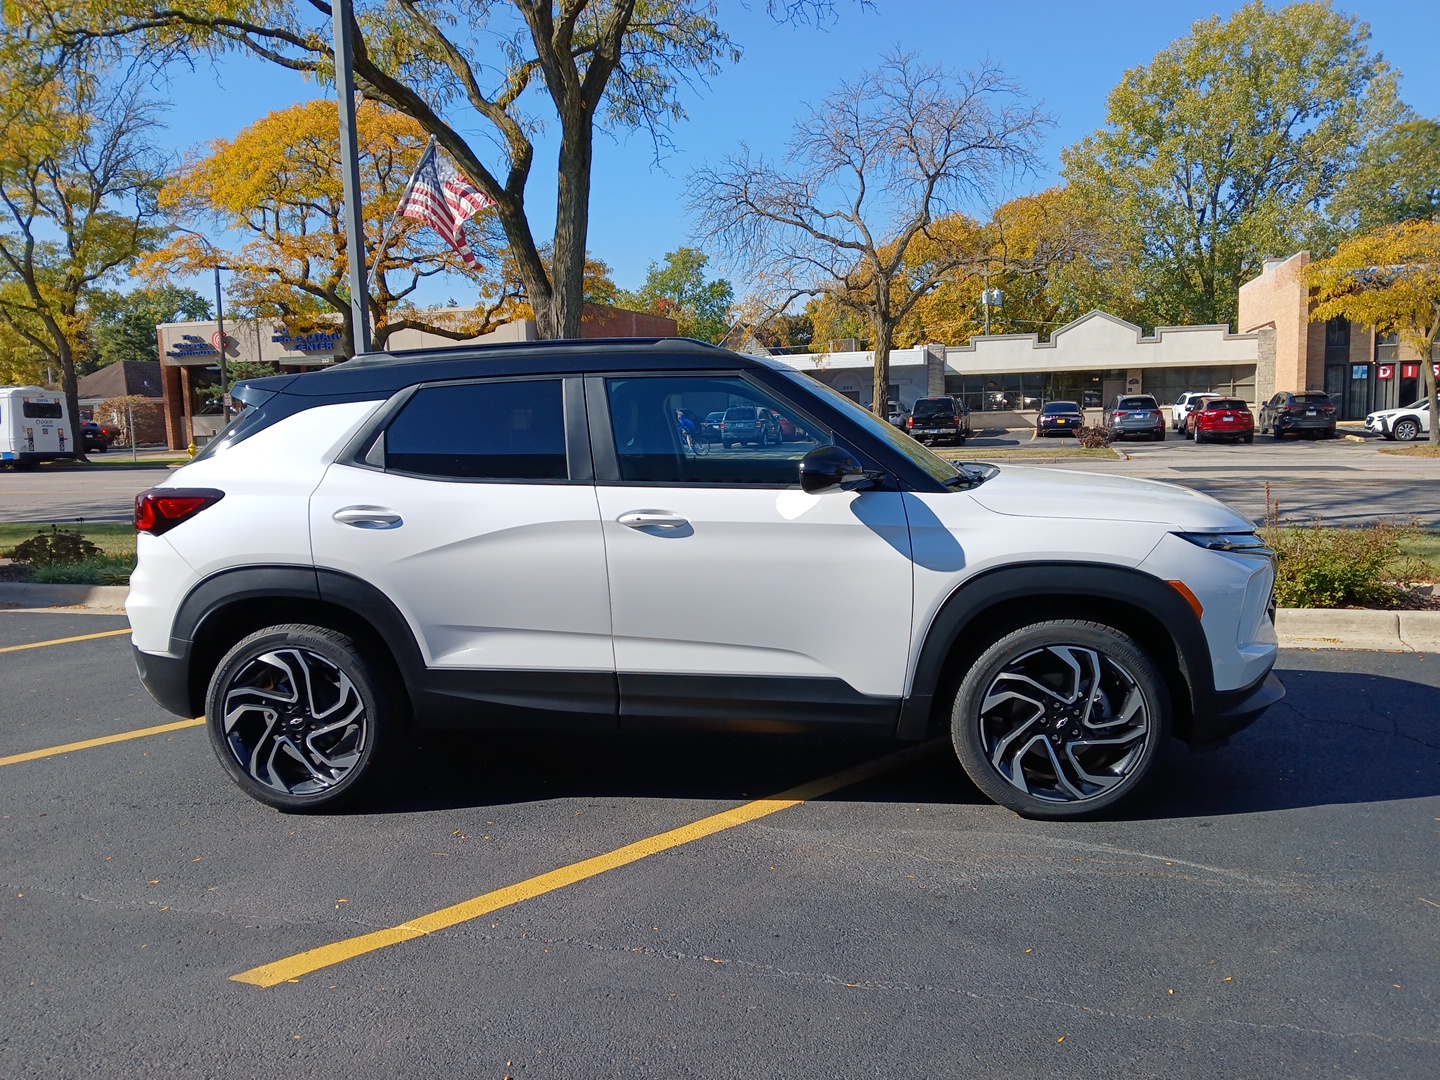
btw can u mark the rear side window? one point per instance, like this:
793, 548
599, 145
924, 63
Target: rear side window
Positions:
41, 410
481, 431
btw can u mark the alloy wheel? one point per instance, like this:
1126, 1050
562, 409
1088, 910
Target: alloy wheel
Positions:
1064, 723
295, 723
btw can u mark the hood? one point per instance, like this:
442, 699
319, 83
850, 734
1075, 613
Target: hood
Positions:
1020, 491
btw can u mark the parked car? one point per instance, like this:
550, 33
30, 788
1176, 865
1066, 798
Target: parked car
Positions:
308, 583
1187, 401
97, 439
745, 424
898, 415
1221, 418
1059, 418
1134, 414
1311, 413
788, 430
1403, 424
710, 426
939, 419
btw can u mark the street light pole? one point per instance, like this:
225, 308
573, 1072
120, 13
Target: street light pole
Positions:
350, 173
220, 348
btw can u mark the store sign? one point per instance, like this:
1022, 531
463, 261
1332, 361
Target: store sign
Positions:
1359, 371
307, 343
190, 349
1409, 371
1385, 371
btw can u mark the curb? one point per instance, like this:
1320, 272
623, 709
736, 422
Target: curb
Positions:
101, 599
1297, 628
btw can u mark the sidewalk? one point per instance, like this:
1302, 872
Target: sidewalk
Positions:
1298, 628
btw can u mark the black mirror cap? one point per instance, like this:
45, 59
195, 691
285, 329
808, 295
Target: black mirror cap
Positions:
828, 467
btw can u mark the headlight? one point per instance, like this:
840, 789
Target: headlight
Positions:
1244, 542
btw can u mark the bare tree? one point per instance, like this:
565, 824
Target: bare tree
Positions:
865, 177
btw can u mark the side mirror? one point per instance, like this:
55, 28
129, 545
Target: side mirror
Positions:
828, 467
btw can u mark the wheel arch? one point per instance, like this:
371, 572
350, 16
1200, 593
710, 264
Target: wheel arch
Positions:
227, 606
981, 610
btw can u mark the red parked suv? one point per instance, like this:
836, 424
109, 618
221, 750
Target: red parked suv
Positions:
1221, 418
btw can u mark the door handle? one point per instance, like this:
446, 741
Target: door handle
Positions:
368, 517
652, 519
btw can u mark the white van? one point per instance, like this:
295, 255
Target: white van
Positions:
34, 426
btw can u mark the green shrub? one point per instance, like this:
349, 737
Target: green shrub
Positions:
1320, 567
101, 570
54, 548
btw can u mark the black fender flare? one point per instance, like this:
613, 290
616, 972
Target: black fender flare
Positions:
1148, 605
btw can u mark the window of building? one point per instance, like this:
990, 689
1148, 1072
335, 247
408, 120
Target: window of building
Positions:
481, 431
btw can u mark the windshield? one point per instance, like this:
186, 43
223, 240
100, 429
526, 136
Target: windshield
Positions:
1062, 406
1312, 399
944, 407
1423, 403
933, 464
1137, 403
739, 413
1224, 403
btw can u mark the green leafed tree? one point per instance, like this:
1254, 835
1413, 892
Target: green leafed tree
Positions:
1389, 280
78, 177
1397, 179
1225, 148
678, 290
122, 325
482, 76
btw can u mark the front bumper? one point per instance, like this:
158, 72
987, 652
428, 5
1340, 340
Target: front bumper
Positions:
1233, 710
1377, 425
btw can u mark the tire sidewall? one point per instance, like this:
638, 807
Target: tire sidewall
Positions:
345, 654
965, 714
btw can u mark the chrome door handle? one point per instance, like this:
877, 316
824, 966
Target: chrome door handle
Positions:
368, 517
652, 519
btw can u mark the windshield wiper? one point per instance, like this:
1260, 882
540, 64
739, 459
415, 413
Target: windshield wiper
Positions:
971, 474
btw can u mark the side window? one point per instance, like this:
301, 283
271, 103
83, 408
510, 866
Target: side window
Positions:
481, 431
682, 429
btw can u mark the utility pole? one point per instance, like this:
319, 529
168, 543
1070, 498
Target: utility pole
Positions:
350, 172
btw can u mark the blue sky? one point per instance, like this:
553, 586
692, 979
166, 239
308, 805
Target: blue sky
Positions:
1066, 54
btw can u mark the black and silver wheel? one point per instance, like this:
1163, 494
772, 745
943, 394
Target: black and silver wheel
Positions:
1406, 429
1061, 719
299, 716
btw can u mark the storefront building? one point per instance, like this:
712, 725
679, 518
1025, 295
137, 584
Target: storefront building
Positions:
1361, 370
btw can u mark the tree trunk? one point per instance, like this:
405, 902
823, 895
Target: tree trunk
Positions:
883, 324
66, 359
572, 223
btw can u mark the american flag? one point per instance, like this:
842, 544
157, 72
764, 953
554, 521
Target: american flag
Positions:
443, 198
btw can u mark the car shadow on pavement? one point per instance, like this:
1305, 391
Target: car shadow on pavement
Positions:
1339, 737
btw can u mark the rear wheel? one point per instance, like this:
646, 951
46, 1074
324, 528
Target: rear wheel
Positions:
1061, 719
1250, 438
1199, 436
300, 716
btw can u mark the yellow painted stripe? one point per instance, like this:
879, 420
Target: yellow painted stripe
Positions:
64, 640
87, 744
293, 967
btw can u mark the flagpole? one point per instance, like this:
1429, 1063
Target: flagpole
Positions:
350, 172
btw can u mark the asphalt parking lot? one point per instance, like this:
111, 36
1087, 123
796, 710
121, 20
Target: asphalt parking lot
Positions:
1268, 909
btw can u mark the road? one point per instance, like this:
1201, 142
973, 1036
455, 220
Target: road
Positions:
1268, 909
1338, 481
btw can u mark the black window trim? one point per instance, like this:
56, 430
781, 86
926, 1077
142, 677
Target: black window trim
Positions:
577, 440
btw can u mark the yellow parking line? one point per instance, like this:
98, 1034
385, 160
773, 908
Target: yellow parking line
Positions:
124, 736
64, 640
305, 963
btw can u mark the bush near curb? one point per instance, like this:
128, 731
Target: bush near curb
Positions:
1359, 566
1094, 438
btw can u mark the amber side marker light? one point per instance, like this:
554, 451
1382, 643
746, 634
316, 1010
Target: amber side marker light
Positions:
1190, 597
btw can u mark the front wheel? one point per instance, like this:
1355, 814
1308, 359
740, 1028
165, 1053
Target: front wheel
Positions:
300, 716
1061, 719
1406, 430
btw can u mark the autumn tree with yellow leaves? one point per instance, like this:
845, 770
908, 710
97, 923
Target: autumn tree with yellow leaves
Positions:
278, 185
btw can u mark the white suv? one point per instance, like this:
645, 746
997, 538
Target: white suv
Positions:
520, 535
1187, 403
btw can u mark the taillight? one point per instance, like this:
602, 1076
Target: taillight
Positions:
1120, 413
159, 510
910, 421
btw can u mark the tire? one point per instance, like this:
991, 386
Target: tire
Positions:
1406, 429
1078, 666
725, 444
332, 738
1160, 435
1249, 438
1199, 436
1188, 433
